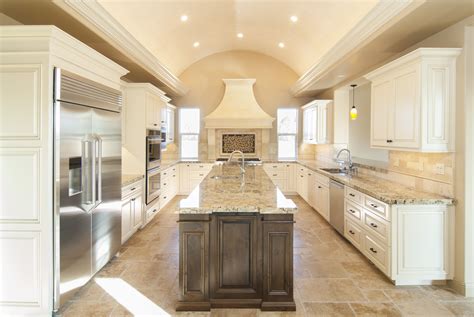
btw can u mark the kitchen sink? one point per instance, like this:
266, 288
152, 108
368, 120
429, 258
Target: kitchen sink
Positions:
339, 171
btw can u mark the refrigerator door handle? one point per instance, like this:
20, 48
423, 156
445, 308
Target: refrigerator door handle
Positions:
98, 161
89, 177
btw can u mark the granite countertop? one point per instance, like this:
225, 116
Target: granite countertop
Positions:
384, 190
128, 179
254, 193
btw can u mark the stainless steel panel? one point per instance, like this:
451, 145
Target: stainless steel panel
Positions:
75, 155
107, 216
336, 206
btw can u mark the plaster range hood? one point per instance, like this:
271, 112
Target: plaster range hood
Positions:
238, 108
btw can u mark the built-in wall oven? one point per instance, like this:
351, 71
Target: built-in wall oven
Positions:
153, 183
153, 149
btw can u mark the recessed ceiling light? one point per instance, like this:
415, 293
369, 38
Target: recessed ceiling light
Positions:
184, 18
281, 45
196, 44
240, 35
294, 18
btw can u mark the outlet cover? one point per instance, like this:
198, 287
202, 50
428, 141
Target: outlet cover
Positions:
439, 169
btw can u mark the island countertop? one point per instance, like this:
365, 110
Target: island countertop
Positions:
224, 190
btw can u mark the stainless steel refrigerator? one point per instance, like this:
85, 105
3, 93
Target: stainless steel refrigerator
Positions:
87, 180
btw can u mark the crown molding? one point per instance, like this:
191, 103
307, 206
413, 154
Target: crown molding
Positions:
95, 16
369, 27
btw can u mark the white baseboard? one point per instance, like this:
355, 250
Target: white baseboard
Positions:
466, 289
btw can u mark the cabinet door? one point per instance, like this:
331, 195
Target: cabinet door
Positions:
137, 211
382, 97
184, 186
311, 189
170, 125
235, 267
323, 135
309, 125
323, 197
152, 111
194, 261
278, 261
290, 169
126, 220
406, 111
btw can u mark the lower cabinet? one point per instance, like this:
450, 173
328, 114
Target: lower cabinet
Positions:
191, 175
132, 209
236, 261
283, 175
411, 244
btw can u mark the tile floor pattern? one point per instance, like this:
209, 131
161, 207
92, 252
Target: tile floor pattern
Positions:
331, 278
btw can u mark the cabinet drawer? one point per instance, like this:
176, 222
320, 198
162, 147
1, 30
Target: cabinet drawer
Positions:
323, 180
353, 233
378, 227
379, 208
132, 189
354, 195
201, 167
166, 173
376, 252
153, 210
276, 174
198, 174
354, 211
275, 167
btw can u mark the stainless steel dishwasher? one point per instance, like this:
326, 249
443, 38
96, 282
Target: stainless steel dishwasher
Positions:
336, 206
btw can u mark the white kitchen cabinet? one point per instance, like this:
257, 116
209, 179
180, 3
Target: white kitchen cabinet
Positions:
143, 103
321, 190
132, 209
302, 182
413, 101
168, 120
191, 175
411, 244
169, 185
317, 122
282, 175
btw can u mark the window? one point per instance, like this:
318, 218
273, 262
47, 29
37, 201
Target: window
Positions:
287, 129
189, 120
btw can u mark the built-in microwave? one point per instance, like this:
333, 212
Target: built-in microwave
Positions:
153, 149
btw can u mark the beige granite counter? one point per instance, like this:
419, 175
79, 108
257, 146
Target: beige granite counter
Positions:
128, 179
253, 193
389, 192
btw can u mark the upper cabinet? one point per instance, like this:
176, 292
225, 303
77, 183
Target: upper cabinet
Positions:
317, 122
153, 111
413, 101
168, 119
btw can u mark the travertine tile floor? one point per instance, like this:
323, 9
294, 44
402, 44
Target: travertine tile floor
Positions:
331, 277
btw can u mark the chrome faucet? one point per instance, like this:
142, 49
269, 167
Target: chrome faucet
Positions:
242, 168
349, 158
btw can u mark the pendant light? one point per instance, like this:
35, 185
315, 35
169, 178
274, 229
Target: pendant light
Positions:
353, 109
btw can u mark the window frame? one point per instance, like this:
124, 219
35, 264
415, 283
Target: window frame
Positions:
288, 134
181, 134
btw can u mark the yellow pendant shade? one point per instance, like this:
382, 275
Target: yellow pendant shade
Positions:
353, 113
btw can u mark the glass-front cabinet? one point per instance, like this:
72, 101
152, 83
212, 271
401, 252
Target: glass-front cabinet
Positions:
317, 122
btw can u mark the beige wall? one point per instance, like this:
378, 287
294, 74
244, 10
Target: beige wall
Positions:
359, 129
273, 80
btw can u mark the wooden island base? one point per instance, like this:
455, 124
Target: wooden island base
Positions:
236, 260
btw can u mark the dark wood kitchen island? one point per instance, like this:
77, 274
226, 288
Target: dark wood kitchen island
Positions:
236, 243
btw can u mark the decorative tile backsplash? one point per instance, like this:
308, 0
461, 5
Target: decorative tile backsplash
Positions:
241, 142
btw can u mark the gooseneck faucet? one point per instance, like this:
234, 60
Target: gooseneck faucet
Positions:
242, 168
349, 158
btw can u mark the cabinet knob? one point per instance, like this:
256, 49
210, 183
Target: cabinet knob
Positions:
275, 174
373, 225
319, 187
351, 232
154, 210
155, 124
131, 189
164, 184
352, 211
133, 199
389, 141
375, 206
352, 195
373, 250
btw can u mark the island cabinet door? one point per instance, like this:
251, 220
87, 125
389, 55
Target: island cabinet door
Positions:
278, 262
235, 265
194, 261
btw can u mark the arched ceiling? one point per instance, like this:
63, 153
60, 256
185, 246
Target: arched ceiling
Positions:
156, 24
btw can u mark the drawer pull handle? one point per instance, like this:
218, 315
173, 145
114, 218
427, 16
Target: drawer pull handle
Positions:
131, 189
352, 195
164, 197
351, 232
275, 174
133, 199
200, 166
154, 210
201, 174
164, 184
309, 174
301, 175
319, 187
373, 225
352, 211
174, 175
373, 250
374, 205
287, 165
